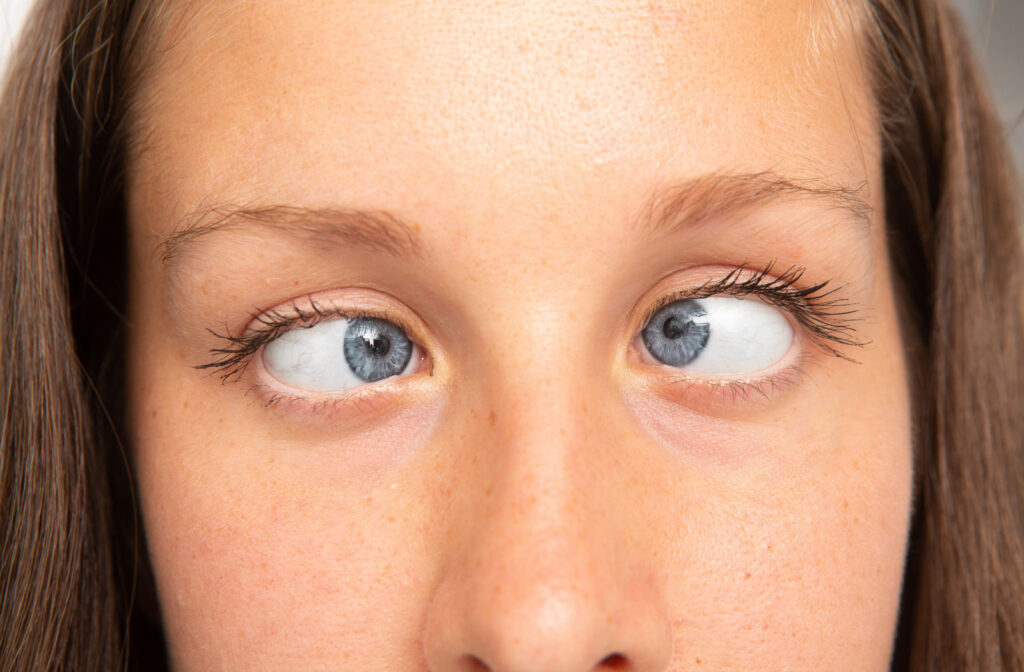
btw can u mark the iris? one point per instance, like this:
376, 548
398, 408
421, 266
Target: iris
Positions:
376, 349
677, 333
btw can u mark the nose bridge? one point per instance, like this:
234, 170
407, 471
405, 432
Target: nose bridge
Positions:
542, 371
542, 463
540, 439
541, 579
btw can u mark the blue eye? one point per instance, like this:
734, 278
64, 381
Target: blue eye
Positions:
678, 333
340, 354
718, 335
376, 349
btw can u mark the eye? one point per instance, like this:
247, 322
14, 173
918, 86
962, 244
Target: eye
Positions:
718, 335
340, 354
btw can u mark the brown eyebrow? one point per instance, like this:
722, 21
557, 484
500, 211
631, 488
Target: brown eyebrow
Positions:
683, 205
377, 231
721, 195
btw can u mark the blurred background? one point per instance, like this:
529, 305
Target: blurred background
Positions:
996, 26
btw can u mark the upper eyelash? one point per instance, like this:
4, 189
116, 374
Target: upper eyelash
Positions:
820, 310
231, 360
828, 317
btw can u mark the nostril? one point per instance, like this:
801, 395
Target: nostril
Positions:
615, 661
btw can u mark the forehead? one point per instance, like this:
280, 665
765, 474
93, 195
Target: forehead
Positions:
351, 98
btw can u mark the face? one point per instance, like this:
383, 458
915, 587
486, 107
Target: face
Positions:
516, 336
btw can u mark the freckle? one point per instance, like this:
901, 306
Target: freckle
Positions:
152, 414
698, 661
185, 405
492, 417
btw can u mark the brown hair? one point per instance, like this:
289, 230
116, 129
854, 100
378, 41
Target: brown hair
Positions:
74, 588
953, 216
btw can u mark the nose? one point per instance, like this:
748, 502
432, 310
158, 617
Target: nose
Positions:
548, 571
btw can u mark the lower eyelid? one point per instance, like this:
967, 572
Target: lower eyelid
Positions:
725, 397
362, 405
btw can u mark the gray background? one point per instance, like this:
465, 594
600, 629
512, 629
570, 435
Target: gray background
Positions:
997, 27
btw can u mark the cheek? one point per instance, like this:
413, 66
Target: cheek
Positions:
271, 549
789, 546
270, 557
775, 565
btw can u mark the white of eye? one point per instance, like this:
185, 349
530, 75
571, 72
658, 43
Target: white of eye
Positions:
314, 358
718, 336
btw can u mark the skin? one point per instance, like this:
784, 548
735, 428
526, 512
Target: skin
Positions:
538, 494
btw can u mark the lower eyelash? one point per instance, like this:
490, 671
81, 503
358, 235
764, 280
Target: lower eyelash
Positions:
745, 390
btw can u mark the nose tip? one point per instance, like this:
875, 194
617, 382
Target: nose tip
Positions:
546, 587
545, 622
547, 564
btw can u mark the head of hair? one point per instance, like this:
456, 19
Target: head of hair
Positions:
74, 580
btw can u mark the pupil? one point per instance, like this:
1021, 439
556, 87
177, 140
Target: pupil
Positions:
673, 329
377, 345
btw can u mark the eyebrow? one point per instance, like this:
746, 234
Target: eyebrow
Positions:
375, 231
723, 195
667, 211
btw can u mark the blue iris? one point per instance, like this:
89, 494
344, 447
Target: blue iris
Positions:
376, 349
675, 335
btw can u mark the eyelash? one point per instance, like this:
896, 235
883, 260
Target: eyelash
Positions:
828, 317
231, 360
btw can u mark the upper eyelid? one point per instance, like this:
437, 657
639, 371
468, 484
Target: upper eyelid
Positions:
232, 360
818, 308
